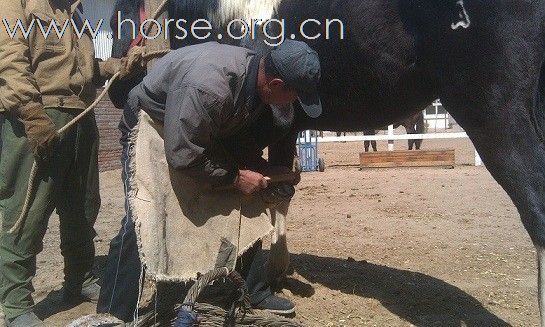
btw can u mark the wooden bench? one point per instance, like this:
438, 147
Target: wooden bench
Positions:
419, 158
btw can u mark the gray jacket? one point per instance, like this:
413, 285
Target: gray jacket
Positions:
201, 93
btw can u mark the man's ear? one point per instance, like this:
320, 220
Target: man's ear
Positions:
277, 84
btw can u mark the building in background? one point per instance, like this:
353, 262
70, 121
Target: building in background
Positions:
100, 11
437, 117
107, 115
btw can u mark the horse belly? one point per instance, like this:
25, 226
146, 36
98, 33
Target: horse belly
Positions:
341, 113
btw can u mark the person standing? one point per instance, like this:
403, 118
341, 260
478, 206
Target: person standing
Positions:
45, 82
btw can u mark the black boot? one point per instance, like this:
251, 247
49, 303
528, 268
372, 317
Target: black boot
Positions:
276, 304
257, 279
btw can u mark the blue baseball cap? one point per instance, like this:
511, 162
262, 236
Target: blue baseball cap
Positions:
299, 67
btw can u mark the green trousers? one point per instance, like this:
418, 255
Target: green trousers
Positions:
69, 183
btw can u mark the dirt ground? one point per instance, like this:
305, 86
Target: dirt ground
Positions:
379, 247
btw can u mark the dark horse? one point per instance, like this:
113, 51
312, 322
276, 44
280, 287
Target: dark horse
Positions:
413, 125
483, 58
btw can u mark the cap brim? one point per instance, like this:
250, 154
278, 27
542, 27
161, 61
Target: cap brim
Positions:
311, 103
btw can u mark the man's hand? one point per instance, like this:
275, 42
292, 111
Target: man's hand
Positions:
126, 66
40, 130
250, 182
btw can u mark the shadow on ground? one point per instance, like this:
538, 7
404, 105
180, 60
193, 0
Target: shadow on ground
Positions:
415, 297
53, 303
420, 299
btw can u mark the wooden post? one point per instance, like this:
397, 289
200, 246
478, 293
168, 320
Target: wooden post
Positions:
161, 42
420, 158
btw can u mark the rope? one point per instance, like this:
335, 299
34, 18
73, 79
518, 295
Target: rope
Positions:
213, 316
34, 171
156, 14
202, 282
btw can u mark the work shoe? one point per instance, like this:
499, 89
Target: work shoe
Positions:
277, 305
28, 319
89, 293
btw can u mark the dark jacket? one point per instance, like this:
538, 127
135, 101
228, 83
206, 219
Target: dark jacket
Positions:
203, 94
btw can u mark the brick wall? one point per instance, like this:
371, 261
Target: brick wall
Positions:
108, 118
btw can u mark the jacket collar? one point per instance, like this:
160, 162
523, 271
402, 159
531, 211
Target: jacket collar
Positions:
249, 88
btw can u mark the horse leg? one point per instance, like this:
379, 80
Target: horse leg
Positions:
409, 128
418, 144
539, 120
499, 121
420, 128
516, 159
280, 154
372, 143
